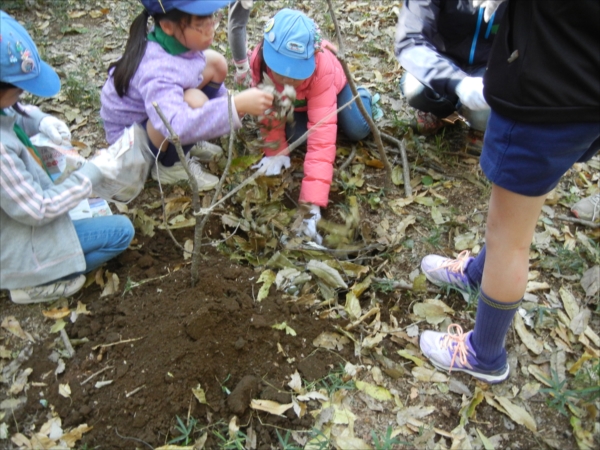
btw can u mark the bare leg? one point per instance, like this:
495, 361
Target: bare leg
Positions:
215, 70
510, 226
195, 98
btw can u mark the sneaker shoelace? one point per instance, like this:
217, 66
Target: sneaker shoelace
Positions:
456, 342
456, 265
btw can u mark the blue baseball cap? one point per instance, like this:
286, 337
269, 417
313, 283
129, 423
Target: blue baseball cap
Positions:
194, 7
289, 44
20, 63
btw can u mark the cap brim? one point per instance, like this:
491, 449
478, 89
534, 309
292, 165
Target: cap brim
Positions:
200, 8
299, 69
46, 84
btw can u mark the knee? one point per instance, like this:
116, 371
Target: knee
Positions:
127, 232
195, 98
217, 65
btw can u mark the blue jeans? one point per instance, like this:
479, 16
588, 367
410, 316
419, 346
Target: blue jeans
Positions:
350, 120
103, 238
427, 100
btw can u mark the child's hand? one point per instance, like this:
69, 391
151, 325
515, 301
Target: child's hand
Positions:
253, 101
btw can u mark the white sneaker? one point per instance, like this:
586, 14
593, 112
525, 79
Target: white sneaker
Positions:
176, 173
47, 292
205, 151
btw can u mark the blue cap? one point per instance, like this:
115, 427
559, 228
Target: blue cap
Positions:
194, 7
289, 44
20, 63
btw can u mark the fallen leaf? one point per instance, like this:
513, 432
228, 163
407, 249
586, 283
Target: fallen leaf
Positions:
295, 382
58, 325
267, 278
200, 394
591, 281
284, 326
270, 406
580, 321
570, 303
11, 324
429, 375
64, 390
331, 341
533, 344
188, 246
112, 284
406, 354
487, 444
517, 414
327, 274
413, 412
377, 392
434, 314
20, 382
57, 313
351, 443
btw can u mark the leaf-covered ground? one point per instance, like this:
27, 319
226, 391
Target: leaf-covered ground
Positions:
280, 345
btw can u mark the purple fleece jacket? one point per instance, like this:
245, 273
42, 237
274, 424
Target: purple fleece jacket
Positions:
163, 78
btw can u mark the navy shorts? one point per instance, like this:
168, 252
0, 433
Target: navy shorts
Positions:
529, 158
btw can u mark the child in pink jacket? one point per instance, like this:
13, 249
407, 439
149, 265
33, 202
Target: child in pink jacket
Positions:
293, 53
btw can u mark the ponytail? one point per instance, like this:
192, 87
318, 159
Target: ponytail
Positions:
127, 65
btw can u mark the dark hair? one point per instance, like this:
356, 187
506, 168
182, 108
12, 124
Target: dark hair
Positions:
127, 65
4, 86
261, 60
17, 107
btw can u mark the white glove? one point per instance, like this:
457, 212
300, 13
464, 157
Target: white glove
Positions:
272, 165
309, 226
247, 4
55, 129
490, 7
470, 93
107, 164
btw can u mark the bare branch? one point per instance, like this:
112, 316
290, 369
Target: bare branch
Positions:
405, 172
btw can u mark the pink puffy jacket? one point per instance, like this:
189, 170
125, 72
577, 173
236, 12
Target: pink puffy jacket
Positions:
320, 93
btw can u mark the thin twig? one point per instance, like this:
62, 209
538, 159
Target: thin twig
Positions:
195, 198
199, 229
374, 129
95, 374
67, 342
285, 151
348, 160
133, 439
135, 391
405, 171
126, 341
586, 223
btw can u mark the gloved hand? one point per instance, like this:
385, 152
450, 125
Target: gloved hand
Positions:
470, 93
247, 4
490, 7
107, 164
309, 225
272, 165
55, 129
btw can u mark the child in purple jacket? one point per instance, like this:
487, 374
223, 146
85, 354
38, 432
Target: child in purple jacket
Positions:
173, 66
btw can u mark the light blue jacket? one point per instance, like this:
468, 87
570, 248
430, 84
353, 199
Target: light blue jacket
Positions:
38, 242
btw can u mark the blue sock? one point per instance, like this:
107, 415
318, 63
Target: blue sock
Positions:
492, 322
212, 89
474, 270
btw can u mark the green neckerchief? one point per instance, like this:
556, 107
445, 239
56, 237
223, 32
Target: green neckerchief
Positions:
27, 143
170, 44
